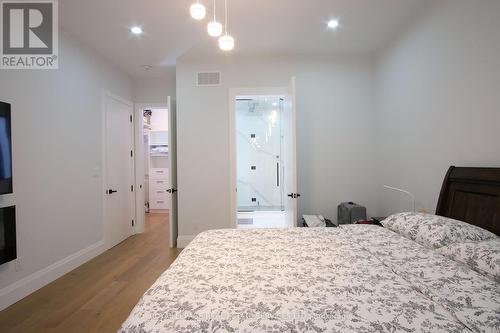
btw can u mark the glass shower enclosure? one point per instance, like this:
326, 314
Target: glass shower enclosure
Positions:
259, 147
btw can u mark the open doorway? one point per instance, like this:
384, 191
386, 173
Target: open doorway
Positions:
259, 167
156, 160
262, 149
156, 166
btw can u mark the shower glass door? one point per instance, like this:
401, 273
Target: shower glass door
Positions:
259, 148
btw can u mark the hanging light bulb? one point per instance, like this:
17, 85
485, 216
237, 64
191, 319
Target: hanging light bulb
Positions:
198, 11
226, 42
214, 28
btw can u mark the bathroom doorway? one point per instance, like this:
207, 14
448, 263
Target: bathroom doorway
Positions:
259, 167
262, 148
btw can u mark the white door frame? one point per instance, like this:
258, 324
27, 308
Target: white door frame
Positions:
139, 155
107, 94
233, 93
173, 212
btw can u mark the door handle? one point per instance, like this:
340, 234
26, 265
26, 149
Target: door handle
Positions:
110, 191
171, 190
278, 174
294, 195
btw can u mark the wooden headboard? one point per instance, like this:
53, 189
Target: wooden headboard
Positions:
472, 195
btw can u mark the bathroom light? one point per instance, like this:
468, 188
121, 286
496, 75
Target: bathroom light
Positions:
273, 116
226, 42
197, 11
136, 30
214, 28
333, 24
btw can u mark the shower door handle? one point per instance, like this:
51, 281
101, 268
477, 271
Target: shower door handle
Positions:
277, 174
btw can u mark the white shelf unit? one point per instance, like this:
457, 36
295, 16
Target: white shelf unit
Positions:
159, 180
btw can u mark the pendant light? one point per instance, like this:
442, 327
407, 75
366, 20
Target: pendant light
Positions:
214, 28
226, 42
197, 11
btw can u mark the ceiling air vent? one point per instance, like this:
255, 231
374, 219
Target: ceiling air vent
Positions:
208, 79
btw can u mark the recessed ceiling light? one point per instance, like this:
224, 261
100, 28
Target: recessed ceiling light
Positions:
333, 24
147, 67
136, 30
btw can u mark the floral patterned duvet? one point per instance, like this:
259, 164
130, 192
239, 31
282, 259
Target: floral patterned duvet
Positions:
357, 278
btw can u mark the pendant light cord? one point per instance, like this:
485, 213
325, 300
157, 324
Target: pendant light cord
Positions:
214, 12
226, 20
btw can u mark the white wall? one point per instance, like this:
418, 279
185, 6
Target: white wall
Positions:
56, 128
156, 89
335, 116
439, 99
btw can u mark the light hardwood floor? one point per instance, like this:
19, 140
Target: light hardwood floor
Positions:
99, 295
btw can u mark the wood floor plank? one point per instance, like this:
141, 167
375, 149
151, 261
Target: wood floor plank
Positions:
99, 295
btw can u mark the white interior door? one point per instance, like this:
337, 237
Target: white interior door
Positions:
290, 155
172, 191
119, 170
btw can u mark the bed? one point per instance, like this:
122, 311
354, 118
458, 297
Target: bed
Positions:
407, 277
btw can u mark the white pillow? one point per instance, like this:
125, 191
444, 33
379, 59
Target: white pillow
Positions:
483, 257
405, 224
435, 231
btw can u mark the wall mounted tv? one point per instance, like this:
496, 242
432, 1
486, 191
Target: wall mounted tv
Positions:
5, 149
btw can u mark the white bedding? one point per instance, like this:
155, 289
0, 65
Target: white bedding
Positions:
358, 278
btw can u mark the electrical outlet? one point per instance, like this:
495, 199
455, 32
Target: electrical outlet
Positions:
19, 264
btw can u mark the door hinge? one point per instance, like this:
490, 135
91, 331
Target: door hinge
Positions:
133, 223
131, 153
131, 118
132, 188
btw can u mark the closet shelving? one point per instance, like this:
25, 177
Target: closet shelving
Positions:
158, 160
158, 170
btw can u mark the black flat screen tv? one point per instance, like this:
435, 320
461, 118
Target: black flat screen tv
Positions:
5, 149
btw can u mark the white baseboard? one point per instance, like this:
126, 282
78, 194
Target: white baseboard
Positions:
183, 241
31, 283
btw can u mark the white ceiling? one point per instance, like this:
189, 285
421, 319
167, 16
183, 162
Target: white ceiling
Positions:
259, 26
